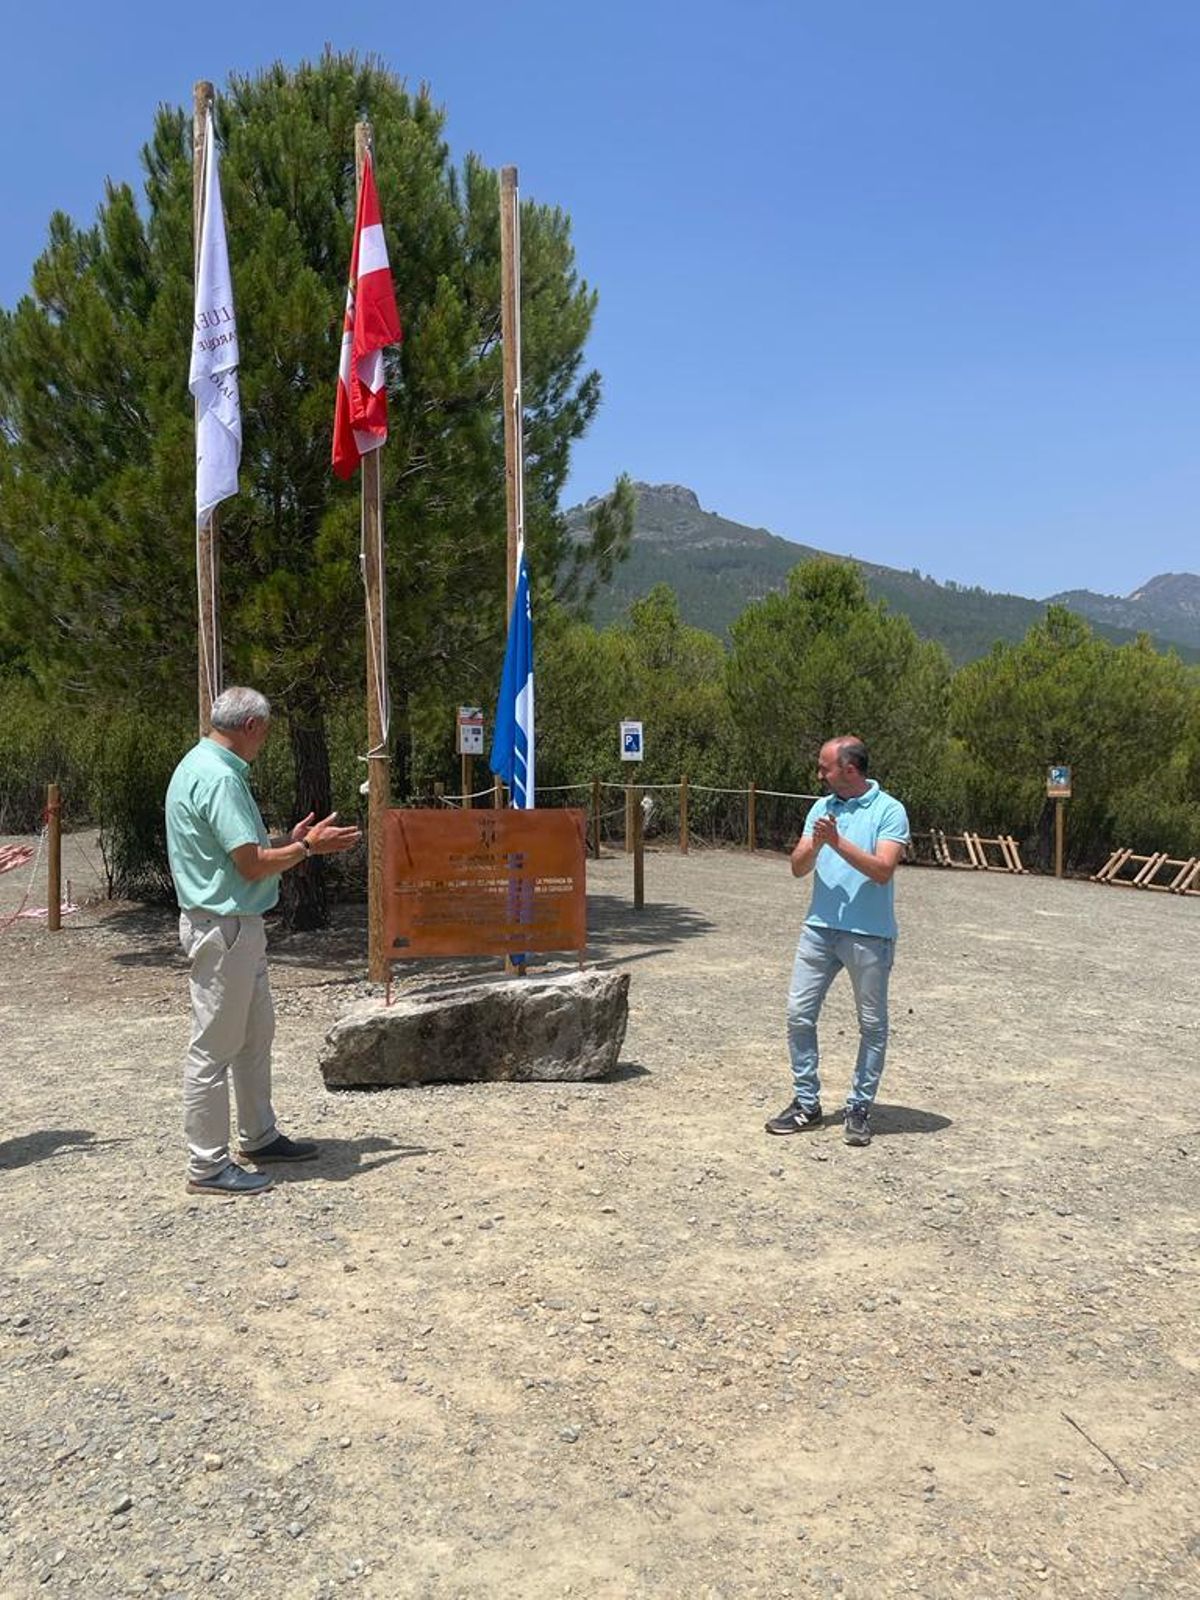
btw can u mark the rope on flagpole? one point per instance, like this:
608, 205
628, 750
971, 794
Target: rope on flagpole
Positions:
209, 654
383, 699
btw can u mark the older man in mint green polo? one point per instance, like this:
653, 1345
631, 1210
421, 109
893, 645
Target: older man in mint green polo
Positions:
853, 839
226, 871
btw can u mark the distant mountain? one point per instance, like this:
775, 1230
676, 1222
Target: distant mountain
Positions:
1168, 606
717, 567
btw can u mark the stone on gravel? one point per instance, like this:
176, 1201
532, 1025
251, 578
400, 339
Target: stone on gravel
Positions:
568, 1027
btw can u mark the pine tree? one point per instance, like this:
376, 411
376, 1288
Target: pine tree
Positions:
96, 511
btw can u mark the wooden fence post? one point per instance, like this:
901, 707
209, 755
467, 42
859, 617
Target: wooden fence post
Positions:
54, 864
683, 820
596, 818
752, 816
628, 819
1058, 837
639, 853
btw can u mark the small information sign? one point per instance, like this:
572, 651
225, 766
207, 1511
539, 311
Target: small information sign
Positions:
1058, 783
631, 741
470, 731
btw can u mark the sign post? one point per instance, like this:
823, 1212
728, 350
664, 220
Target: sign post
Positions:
630, 741
470, 745
1058, 789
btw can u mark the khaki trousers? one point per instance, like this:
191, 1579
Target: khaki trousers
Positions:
233, 1024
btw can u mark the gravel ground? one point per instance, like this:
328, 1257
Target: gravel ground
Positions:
609, 1339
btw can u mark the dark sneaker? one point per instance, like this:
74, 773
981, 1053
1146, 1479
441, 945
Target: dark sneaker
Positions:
231, 1180
858, 1128
281, 1148
795, 1118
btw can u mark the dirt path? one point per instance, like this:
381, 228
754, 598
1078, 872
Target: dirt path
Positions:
611, 1340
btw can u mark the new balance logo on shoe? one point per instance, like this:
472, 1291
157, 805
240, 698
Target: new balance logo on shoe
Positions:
795, 1118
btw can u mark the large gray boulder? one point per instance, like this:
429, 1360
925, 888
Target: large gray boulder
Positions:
565, 1027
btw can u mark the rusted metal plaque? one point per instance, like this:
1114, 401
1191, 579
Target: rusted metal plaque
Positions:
484, 883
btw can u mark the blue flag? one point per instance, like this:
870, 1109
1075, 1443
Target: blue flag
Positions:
512, 744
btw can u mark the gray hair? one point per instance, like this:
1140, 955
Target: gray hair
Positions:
234, 708
852, 752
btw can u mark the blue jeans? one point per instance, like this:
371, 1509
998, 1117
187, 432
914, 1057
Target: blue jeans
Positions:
820, 956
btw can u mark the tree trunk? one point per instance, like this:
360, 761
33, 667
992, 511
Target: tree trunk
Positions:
304, 896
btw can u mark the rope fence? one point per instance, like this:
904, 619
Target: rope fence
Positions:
682, 813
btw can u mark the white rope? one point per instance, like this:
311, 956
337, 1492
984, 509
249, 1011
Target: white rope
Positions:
210, 647
377, 645
704, 788
633, 784
776, 794
8, 922
457, 799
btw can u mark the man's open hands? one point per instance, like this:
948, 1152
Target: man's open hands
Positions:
323, 838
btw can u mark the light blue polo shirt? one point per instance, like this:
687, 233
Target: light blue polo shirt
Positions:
210, 812
843, 897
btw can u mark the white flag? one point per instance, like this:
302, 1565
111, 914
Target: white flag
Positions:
213, 376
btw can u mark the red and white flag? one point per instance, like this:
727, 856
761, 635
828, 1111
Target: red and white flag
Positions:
372, 321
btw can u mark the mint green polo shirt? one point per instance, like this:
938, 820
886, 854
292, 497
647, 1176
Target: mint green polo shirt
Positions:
210, 812
843, 897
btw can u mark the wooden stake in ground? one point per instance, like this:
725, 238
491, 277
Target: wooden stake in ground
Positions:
1058, 837
639, 851
208, 533
467, 778
54, 858
378, 785
683, 815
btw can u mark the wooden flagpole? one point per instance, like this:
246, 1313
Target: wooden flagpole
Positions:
510, 269
510, 325
378, 797
208, 535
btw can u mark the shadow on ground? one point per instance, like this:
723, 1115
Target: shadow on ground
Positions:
899, 1119
341, 948
47, 1142
342, 1159
624, 1072
614, 927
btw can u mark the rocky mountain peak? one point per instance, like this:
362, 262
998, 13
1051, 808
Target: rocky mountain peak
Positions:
1181, 589
675, 493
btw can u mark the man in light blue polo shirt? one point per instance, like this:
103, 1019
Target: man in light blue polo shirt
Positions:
226, 871
852, 843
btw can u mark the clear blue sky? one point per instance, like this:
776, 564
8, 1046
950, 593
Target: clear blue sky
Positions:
917, 282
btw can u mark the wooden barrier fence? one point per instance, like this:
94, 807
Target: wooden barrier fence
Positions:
975, 848
1186, 879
